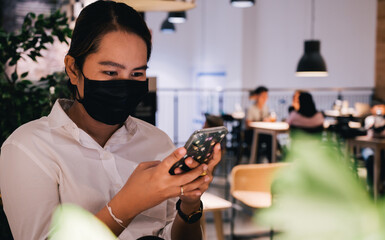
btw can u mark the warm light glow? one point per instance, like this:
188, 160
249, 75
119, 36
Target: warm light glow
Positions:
159, 5
311, 74
354, 124
176, 20
270, 125
242, 4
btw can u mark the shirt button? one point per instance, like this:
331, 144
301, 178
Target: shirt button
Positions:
104, 155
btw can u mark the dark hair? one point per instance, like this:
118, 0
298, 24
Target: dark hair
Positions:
306, 105
259, 90
100, 18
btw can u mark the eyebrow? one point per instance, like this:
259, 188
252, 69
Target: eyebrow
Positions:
114, 64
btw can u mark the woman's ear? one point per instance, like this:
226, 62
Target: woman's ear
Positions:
71, 69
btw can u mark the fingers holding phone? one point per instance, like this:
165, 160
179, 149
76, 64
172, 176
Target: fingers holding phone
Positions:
193, 190
159, 184
216, 157
200, 148
190, 163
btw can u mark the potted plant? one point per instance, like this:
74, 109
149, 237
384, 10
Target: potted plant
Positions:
22, 100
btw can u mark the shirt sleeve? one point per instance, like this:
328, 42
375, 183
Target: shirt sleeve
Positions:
289, 120
171, 213
29, 194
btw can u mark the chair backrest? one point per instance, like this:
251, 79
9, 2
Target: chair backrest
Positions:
254, 177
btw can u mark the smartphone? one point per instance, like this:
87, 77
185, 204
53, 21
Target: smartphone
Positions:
200, 146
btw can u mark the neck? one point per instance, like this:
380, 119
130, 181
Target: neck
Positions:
100, 132
260, 104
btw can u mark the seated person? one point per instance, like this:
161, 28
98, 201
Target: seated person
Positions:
371, 123
375, 121
259, 111
90, 151
295, 101
307, 117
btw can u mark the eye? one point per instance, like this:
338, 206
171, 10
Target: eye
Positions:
110, 73
137, 74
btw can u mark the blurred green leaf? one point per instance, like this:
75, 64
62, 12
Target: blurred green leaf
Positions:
75, 223
320, 197
14, 76
23, 75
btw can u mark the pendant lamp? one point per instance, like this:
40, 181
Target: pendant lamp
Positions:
167, 27
242, 3
311, 63
177, 17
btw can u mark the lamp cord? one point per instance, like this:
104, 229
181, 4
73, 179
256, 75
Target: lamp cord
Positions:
312, 18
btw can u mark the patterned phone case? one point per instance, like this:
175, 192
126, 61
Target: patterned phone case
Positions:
200, 146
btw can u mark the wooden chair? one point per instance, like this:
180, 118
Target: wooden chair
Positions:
251, 185
216, 205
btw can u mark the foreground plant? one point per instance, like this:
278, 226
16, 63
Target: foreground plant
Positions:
320, 197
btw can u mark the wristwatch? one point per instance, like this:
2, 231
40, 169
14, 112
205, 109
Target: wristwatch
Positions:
193, 217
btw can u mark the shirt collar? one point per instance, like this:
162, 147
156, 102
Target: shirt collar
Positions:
59, 118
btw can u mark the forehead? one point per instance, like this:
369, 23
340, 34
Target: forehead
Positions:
263, 94
121, 47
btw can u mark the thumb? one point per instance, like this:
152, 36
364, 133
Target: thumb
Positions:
146, 165
173, 157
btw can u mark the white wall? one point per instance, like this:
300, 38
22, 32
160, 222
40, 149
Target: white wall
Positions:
208, 42
263, 44
346, 29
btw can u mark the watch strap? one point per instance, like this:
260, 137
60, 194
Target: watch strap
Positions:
193, 217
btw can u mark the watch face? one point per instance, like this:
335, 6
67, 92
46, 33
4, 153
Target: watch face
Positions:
194, 217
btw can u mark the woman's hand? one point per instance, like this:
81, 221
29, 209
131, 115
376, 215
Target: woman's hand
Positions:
191, 198
193, 191
150, 184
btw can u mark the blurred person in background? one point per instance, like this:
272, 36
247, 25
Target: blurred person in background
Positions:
306, 117
259, 112
375, 125
295, 101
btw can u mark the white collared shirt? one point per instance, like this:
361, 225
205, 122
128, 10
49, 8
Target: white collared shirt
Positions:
255, 114
51, 161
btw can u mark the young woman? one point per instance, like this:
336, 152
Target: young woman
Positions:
307, 117
91, 152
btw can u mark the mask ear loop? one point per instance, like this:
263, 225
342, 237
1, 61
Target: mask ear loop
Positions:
77, 90
78, 94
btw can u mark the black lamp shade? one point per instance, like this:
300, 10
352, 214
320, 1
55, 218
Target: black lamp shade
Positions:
167, 27
311, 63
177, 17
242, 3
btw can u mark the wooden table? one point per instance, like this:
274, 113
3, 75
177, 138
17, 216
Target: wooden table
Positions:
270, 128
215, 204
377, 144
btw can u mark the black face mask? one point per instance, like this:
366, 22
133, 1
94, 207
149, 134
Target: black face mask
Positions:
112, 101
